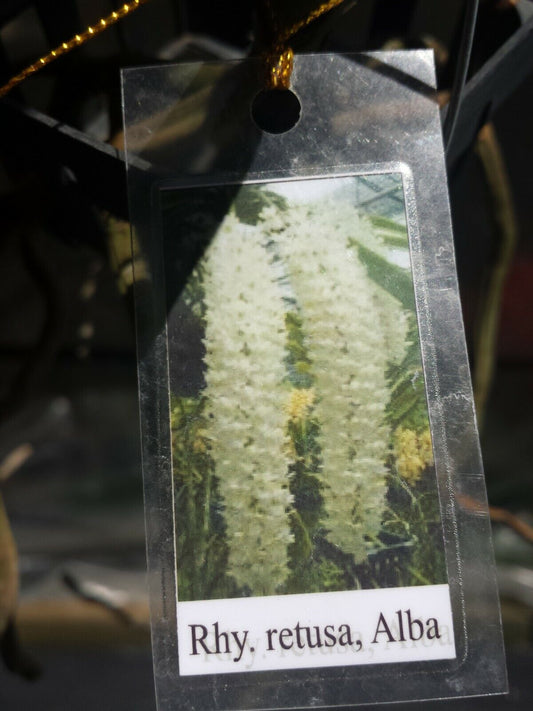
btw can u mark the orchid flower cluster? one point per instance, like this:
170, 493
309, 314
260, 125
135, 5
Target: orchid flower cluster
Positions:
245, 351
353, 330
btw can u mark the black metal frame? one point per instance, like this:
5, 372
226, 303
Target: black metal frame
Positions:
99, 168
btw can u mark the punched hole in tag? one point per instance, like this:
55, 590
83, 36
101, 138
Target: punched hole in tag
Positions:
276, 110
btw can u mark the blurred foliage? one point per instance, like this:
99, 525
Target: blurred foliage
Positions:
201, 549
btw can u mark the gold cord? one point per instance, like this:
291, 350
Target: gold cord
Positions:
279, 66
279, 59
75, 41
313, 15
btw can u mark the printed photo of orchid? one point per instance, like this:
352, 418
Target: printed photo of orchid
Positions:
301, 447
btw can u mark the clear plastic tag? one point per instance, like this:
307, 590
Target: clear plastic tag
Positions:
316, 516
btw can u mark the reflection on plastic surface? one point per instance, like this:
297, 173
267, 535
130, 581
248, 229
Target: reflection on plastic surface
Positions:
190, 126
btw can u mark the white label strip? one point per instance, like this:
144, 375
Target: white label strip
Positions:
315, 630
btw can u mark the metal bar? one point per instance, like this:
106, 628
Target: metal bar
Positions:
98, 167
491, 85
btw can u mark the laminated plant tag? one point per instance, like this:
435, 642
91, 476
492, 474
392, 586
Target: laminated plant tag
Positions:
306, 503
316, 516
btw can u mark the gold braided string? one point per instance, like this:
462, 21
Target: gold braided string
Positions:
75, 41
279, 59
313, 15
279, 64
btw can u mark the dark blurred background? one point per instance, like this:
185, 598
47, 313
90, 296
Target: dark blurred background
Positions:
70, 474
